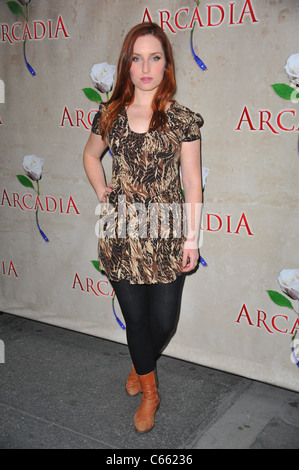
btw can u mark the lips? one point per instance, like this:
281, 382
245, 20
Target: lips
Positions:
146, 79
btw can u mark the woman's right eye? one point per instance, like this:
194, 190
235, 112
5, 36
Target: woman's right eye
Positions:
135, 59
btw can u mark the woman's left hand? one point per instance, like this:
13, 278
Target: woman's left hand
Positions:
190, 259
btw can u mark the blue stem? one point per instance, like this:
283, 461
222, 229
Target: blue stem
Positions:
24, 45
117, 319
196, 58
36, 216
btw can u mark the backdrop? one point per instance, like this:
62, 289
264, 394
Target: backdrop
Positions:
250, 137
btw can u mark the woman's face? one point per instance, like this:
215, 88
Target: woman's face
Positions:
148, 63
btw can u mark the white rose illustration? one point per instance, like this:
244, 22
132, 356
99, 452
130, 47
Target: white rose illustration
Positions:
102, 76
33, 166
205, 172
289, 282
292, 68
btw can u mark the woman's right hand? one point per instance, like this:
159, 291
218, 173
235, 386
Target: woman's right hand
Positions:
107, 191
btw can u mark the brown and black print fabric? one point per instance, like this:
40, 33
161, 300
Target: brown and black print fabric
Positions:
138, 241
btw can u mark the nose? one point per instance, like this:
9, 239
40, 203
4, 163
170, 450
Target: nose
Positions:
145, 66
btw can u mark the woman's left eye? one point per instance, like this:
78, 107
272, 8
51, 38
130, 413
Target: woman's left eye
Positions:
156, 57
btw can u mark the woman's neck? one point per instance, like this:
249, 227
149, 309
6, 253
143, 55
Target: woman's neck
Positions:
143, 99
139, 113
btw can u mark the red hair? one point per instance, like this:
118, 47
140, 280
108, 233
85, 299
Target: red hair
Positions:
123, 94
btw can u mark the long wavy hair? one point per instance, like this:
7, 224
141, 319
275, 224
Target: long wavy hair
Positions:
123, 94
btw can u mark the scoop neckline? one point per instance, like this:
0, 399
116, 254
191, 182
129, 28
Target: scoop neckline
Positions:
147, 132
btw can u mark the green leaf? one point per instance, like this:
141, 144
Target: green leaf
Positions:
15, 8
25, 181
280, 299
96, 264
92, 94
294, 335
285, 91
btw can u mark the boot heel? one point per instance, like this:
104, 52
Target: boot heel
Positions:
144, 419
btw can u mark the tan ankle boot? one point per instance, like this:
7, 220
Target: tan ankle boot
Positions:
133, 384
144, 419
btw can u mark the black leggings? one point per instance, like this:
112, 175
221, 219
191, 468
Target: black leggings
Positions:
151, 313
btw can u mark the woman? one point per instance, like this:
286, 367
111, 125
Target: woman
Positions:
151, 138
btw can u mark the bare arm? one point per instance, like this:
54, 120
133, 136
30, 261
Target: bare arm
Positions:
93, 151
192, 183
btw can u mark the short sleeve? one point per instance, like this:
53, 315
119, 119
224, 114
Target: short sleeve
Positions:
193, 123
95, 128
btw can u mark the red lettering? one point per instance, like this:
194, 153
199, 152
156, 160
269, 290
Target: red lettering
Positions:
231, 18
162, 20
88, 116
4, 30
38, 31
66, 115
265, 118
60, 205
50, 29
13, 31
228, 217
195, 17
210, 15
26, 31
245, 314
262, 320
38, 204
146, 17
245, 224
23, 200
5, 198
60, 27
209, 229
262, 121
71, 204
295, 327
216, 14
47, 205
247, 119
279, 119
77, 280
16, 197
98, 286
177, 17
80, 116
250, 12
274, 324
90, 286
12, 268
43, 31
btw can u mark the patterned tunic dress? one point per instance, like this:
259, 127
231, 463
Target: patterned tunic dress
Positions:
142, 236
